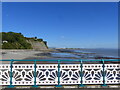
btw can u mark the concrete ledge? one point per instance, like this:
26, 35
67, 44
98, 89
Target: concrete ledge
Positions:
75, 87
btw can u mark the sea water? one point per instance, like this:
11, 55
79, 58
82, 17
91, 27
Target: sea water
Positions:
102, 52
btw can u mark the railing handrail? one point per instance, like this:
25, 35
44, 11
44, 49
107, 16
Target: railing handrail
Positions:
84, 60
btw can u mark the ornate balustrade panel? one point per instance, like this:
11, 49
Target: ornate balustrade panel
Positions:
47, 74
23, 74
112, 73
92, 74
70, 74
5, 74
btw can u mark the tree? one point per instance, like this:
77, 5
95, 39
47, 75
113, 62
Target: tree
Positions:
15, 41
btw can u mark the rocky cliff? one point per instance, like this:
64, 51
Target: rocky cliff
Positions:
38, 45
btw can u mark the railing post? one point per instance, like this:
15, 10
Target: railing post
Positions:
81, 73
103, 66
11, 62
58, 74
35, 74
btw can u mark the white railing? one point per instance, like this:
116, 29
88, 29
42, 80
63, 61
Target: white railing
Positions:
62, 74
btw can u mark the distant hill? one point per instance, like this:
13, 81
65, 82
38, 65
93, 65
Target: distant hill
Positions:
12, 40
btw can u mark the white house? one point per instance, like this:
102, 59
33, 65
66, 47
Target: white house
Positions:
4, 41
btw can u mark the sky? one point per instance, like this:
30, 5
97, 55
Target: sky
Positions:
64, 24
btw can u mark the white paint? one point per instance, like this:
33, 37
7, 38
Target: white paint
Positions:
70, 74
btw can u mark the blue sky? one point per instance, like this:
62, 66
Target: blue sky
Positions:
65, 24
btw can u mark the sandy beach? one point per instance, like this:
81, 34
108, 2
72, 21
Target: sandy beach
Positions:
26, 55
34, 54
49, 54
20, 54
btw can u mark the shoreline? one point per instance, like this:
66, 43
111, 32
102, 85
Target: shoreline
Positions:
44, 54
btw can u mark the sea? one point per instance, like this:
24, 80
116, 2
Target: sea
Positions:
102, 52
87, 53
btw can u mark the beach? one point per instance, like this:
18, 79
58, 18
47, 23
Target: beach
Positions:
19, 54
50, 54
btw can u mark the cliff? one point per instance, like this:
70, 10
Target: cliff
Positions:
38, 45
12, 40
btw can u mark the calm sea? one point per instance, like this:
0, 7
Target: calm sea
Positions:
103, 52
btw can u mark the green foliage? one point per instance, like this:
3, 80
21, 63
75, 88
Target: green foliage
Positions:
34, 39
15, 41
40, 40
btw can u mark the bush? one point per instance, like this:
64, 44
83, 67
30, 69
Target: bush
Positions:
15, 41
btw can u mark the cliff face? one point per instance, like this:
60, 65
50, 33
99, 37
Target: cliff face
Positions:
38, 45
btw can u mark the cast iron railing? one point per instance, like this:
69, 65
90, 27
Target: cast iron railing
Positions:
59, 74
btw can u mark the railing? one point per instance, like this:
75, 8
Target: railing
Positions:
59, 74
